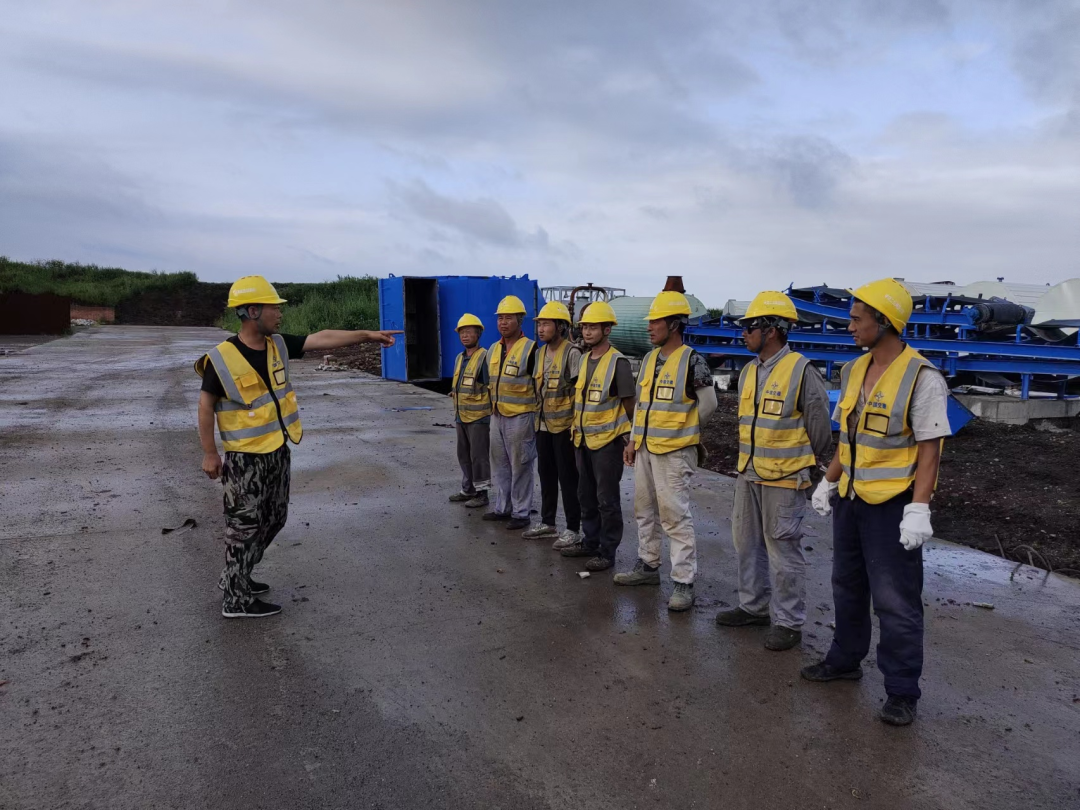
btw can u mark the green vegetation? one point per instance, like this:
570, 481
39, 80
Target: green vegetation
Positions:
348, 303
86, 283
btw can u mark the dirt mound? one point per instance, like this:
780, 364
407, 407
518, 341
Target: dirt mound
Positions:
200, 304
1002, 487
363, 357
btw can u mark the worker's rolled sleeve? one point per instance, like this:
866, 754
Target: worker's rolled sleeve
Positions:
814, 404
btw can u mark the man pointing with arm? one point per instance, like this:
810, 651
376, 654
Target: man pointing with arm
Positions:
246, 386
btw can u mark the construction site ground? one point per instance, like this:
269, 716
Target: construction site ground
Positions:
425, 658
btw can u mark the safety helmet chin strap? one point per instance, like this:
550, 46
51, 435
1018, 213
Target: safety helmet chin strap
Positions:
882, 328
242, 312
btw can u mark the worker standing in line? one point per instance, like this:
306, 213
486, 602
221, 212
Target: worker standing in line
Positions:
245, 383
783, 427
511, 365
893, 417
472, 415
675, 396
556, 378
603, 407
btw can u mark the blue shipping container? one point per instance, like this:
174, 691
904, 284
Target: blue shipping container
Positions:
427, 308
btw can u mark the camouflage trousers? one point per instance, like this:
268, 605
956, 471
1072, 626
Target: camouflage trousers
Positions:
256, 508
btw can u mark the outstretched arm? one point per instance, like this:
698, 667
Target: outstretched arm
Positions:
336, 338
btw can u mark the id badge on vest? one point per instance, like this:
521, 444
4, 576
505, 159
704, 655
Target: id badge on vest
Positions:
279, 376
772, 407
468, 381
665, 393
553, 383
595, 395
512, 370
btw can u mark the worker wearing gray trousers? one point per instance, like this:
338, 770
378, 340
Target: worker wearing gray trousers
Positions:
783, 428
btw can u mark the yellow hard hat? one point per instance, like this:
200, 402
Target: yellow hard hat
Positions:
888, 297
468, 319
599, 312
554, 311
253, 290
772, 303
511, 305
667, 305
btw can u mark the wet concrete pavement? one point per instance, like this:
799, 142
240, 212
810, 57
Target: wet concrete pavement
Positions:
427, 659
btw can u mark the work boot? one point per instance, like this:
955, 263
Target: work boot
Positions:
682, 598
578, 550
641, 575
461, 497
781, 638
599, 563
256, 610
496, 516
823, 673
567, 538
480, 499
740, 618
899, 710
516, 523
540, 530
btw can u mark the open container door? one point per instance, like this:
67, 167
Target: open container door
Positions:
412, 305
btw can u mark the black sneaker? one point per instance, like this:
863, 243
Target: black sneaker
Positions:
599, 563
781, 638
496, 516
254, 588
256, 610
737, 617
822, 673
517, 523
258, 587
578, 550
899, 710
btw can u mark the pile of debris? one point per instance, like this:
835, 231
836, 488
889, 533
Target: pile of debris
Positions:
363, 357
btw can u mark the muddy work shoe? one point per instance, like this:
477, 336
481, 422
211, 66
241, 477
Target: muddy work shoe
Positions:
257, 609
516, 523
567, 538
682, 598
540, 531
780, 638
823, 673
599, 563
740, 618
480, 499
578, 550
496, 516
641, 575
462, 497
899, 710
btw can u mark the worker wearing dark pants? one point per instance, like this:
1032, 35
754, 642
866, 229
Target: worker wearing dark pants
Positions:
600, 473
870, 563
893, 417
557, 468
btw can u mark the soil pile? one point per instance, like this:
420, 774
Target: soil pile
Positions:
363, 357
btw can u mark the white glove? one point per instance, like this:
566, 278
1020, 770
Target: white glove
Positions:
915, 528
820, 500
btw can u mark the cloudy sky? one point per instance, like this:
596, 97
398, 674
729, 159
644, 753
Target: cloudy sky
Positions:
744, 145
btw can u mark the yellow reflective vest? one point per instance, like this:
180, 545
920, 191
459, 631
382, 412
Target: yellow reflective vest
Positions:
599, 418
556, 388
666, 419
472, 400
513, 389
883, 459
772, 432
251, 418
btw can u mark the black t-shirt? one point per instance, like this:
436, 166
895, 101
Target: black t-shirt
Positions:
294, 344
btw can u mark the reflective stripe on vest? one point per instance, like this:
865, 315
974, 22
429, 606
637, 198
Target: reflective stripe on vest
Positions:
885, 456
513, 389
556, 388
472, 401
772, 432
251, 418
668, 420
599, 418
